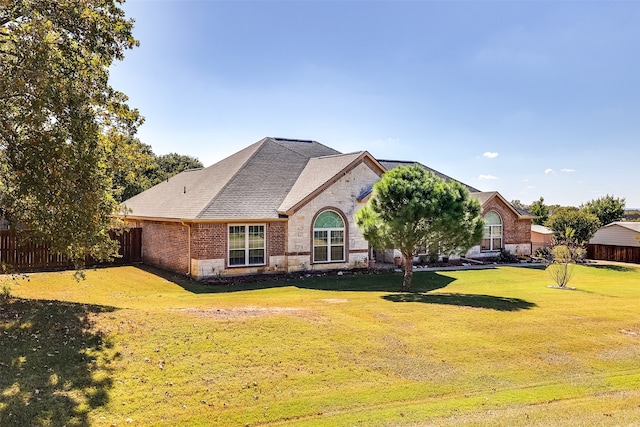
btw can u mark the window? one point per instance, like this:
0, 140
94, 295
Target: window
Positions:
328, 238
246, 245
492, 236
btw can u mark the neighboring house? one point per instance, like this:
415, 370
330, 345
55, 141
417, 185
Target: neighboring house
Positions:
618, 241
541, 237
506, 228
281, 205
277, 205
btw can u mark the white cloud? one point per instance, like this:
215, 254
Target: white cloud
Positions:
487, 177
531, 186
490, 155
567, 170
548, 171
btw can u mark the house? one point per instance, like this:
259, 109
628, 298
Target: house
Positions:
618, 241
281, 205
541, 237
505, 227
277, 205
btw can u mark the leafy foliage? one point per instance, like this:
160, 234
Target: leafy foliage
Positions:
60, 120
583, 224
411, 207
539, 209
143, 169
516, 203
608, 209
632, 215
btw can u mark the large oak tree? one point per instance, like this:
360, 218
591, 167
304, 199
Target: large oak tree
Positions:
411, 207
61, 123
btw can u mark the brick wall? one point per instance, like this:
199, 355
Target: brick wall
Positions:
165, 245
209, 241
276, 239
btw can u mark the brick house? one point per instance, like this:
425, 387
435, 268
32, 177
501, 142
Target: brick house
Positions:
277, 205
506, 228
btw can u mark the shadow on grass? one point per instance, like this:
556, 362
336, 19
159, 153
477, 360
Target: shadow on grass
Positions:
613, 267
536, 267
53, 364
423, 281
465, 300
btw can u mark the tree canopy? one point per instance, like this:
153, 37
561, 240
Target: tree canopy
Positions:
539, 209
608, 209
142, 169
411, 207
61, 121
582, 223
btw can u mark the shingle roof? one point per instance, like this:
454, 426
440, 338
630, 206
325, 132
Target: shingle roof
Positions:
315, 175
390, 164
250, 184
485, 196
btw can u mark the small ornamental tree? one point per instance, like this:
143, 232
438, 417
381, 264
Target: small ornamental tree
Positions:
561, 269
565, 252
412, 207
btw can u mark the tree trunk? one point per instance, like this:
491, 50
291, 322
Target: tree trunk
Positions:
408, 273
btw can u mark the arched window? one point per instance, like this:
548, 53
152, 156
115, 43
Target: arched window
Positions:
492, 236
328, 237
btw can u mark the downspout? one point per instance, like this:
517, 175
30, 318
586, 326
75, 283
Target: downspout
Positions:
188, 247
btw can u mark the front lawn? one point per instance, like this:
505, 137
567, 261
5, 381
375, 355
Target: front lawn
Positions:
128, 346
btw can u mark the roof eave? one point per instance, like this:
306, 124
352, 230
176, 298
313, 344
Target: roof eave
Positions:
201, 220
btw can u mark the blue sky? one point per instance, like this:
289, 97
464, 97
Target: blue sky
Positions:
532, 99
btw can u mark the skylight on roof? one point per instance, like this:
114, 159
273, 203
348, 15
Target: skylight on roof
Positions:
292, 140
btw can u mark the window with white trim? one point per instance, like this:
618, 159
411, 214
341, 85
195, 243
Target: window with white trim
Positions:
246, 245
328, 238
492, 235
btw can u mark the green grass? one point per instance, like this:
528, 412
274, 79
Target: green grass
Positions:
130, 346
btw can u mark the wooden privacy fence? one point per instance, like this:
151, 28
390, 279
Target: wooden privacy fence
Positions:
22, 254
614, 253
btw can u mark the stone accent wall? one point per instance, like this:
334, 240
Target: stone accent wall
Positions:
165, 245
342, 197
